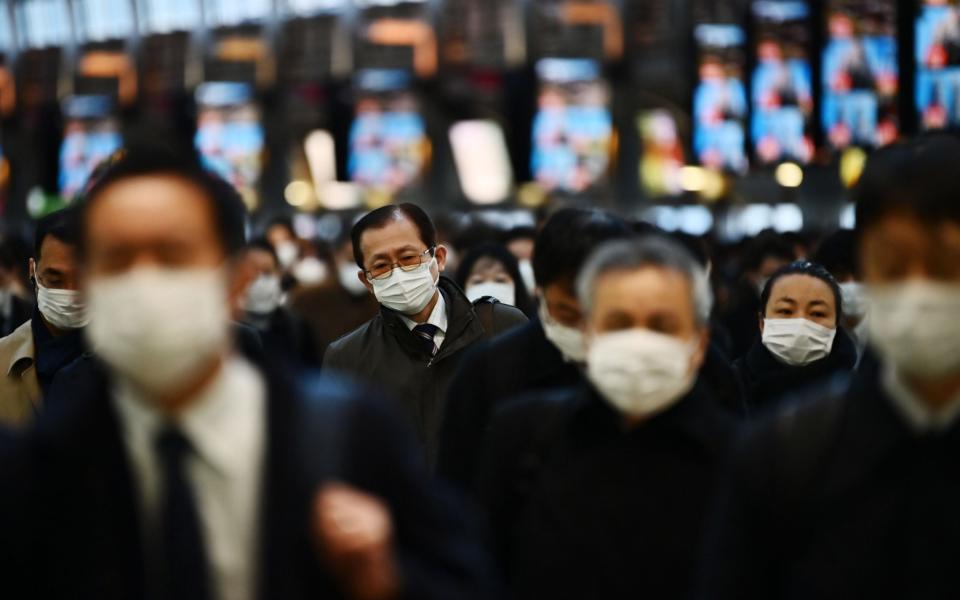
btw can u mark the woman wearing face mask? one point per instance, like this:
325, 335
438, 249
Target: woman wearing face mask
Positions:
801, 340
491, 270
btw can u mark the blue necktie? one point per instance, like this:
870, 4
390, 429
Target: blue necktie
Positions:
425, 333
184, 572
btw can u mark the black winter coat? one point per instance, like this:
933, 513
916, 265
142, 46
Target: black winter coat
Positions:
767, 382
384, 353
583, 508
836, 497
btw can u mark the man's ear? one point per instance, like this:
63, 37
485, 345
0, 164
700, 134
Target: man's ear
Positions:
242, 273
441, 255
760, 320
32, 270
362, 276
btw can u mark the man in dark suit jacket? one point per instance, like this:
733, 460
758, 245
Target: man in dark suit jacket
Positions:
529, 358
181, 469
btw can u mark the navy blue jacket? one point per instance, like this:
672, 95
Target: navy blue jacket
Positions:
70, 520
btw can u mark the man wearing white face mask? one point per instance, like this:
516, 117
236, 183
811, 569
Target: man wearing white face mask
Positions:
52, 339
801, 341
614, 477
282, 332
853, 493
546, 353
181, 468
426, 324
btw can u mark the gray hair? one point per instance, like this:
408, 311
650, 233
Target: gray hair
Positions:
650, 251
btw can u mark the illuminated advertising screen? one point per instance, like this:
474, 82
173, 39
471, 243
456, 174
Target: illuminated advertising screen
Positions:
91, 134
662, 158
938, 63
720, 100
860, 74
229, 135
388, 138
782, 83
573, 128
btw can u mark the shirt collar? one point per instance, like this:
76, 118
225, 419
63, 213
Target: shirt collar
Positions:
438, 317
231, 408
913, 410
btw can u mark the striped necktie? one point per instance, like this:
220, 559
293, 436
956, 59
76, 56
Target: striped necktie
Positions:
425, 333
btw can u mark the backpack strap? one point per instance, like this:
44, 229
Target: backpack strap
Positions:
485, 308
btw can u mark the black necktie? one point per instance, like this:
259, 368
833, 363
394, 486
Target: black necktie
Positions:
425, 333
183, 560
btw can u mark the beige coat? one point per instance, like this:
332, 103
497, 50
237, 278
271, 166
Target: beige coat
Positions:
19, 389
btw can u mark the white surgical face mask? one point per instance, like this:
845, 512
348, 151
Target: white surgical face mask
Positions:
407, 292
347, 273
568, 340
915, 327
502, 291
310, 271
641, 372
159, 328
287, 253
64, 309
526, 273
263, 295
797, 342
854, 299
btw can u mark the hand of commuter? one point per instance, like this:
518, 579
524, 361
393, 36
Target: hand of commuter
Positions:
354, 534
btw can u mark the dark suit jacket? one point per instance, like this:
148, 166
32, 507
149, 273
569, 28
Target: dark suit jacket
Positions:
837, 497
583, 508
517, 363
72, 529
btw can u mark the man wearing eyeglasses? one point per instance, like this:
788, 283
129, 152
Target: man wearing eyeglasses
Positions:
413, 347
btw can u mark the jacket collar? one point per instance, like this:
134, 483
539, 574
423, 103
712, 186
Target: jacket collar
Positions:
463, 325
23, 354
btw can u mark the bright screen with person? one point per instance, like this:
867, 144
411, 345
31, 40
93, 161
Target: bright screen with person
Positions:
782, 83
860, 74
229, 135
573, 128
91, 134
938, 63
720, 100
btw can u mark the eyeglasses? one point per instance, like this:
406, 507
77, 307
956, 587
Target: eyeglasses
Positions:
407, 263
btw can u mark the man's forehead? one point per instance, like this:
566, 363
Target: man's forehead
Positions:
397, 232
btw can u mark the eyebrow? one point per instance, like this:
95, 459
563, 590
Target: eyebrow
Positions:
51, 271
384, 256
818, 302
786, 299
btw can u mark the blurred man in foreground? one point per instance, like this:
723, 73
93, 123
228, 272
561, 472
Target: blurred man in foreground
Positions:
185, 471
854, 493
600, 491
52, 339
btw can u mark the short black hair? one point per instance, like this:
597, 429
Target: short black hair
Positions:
499, 253
838, 254
567, 240
765, 245
263, 245
810, 269
380, 217
60, 225
141, 159
920, 177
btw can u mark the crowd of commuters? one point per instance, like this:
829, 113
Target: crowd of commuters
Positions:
588, 408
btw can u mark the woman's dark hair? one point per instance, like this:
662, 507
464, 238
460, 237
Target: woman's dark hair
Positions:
810, 269
499, 253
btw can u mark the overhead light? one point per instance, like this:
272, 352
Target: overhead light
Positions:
693, 179
852, 162
482, 160
789, 175
298, 193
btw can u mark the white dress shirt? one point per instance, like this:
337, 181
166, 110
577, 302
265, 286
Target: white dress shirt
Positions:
226, 427
919, 417
438, 317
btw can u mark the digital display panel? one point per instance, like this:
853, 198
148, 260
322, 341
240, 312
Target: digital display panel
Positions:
43, 23
782, 84
860, 74
229, 136
720, 100
91, 134
105, 19
938, 63
164, 16
388, 138
662, 158
573, 128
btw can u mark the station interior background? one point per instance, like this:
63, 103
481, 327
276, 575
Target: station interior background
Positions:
713, 117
